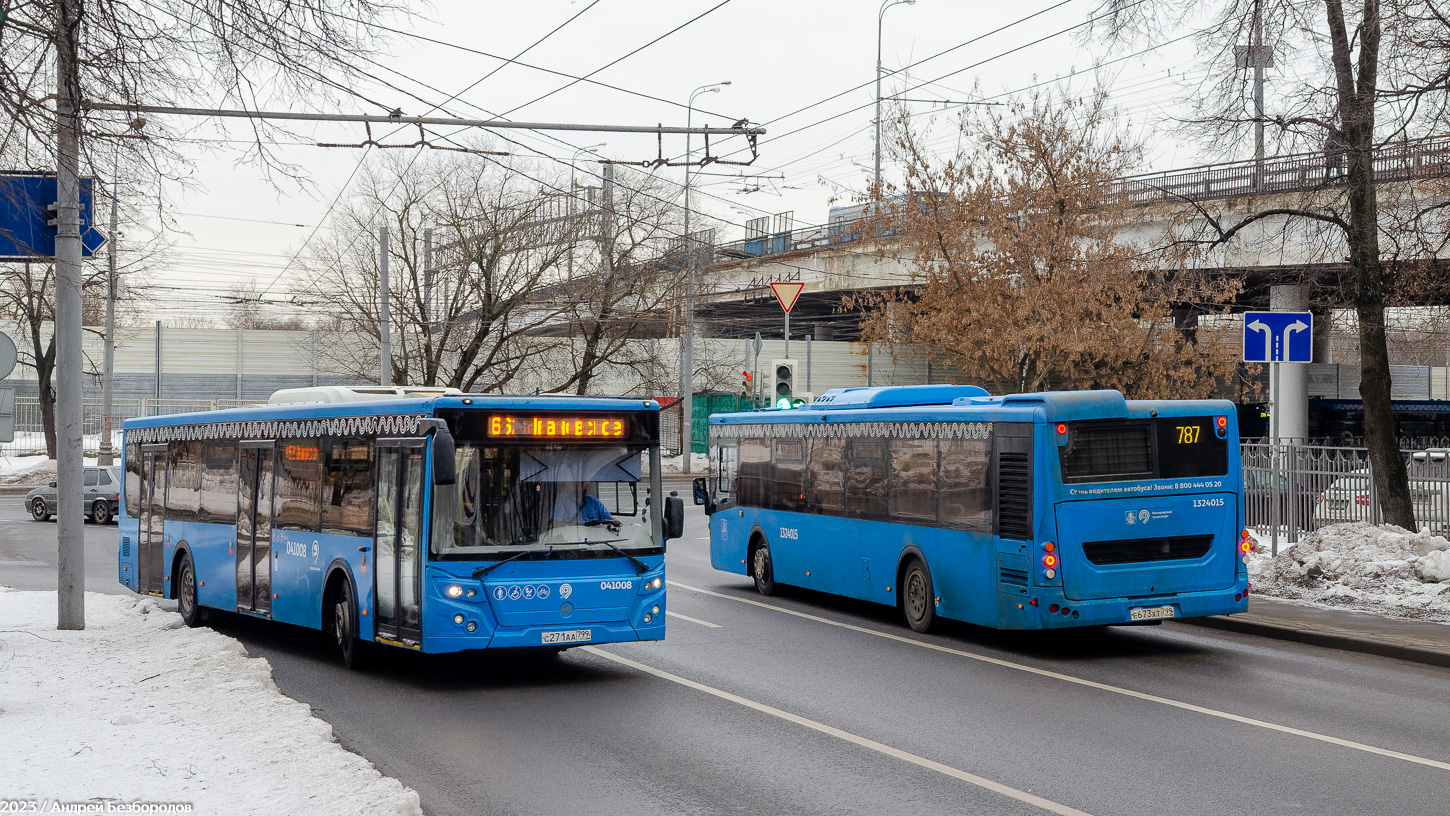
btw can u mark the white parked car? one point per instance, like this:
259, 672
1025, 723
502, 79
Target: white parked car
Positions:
1348, 497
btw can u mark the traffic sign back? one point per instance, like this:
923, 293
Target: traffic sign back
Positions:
24, 234
1278, 337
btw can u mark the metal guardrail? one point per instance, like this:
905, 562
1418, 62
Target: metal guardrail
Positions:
1296, 173
1290, 489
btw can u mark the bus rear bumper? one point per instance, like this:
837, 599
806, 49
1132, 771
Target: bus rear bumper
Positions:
1111, 611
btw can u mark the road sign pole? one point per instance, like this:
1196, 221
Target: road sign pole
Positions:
787, 335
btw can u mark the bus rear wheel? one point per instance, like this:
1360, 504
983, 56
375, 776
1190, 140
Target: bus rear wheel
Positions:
918, 601
762, 570
344, 628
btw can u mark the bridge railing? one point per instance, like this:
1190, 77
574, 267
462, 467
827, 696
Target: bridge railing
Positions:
1296, 173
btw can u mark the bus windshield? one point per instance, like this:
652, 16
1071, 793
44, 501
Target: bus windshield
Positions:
568, 502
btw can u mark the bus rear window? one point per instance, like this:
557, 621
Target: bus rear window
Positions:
1162, 448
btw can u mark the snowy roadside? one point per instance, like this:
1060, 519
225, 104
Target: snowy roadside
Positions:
137, 707
1382, 569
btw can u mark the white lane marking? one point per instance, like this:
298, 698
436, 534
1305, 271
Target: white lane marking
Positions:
1212, 712
692, 620
869, 744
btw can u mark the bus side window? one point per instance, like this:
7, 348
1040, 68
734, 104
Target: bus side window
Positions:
754, 472
789, 470
723, 471
913, 480
133, 480
219, 482
347, 487
826, 477
867, 478
299, 485
183, 491
966, 497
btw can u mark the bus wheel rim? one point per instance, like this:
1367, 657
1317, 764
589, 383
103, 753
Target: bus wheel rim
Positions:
916, 596
188, 591
760, 564
340, 623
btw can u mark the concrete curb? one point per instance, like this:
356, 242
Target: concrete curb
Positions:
1328, 639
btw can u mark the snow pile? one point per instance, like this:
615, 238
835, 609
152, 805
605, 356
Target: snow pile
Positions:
139, 707
34, 471
1361, 566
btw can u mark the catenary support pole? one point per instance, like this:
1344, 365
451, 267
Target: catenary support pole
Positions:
809, 339
70, 541
156, 362
105, 457
385, 312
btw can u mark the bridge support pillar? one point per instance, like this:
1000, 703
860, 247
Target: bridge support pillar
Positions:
1290, 396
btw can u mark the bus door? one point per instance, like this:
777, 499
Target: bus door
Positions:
254, 528
150, 539
399, 548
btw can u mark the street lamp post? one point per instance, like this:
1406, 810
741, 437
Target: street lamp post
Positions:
880, 16
687, 347
574, 194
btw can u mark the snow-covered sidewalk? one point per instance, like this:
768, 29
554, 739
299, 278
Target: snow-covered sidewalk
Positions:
137, 707
1382, 569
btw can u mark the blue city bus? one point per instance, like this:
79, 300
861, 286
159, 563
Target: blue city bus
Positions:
1028, 511
438, 524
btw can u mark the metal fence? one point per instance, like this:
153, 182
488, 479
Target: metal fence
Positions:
30, 430
1292, 489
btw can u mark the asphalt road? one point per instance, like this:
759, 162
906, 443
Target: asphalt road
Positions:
806, 704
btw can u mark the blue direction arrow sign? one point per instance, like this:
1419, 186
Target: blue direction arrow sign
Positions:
1278, 337
24, 235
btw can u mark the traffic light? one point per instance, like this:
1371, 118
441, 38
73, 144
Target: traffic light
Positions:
782, 383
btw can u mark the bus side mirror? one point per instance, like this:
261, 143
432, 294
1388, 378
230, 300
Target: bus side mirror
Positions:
445, 469
701, 495
674, 517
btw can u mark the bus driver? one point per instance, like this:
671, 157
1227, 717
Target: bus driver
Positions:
575, 504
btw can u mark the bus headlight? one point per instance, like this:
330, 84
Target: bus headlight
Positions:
654, 584
454, 590
656, 609
648, 617
458, 619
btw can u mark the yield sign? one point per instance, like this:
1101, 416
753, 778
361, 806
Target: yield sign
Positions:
787, 293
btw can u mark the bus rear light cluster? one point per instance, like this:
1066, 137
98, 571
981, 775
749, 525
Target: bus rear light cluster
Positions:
1049, 561
1220, 427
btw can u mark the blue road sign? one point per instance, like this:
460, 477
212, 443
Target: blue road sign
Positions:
1278, 337
24, 235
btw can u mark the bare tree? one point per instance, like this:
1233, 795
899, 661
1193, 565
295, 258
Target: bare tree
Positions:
629, 275
246, 309
1356, 80
1024, 280
473, 320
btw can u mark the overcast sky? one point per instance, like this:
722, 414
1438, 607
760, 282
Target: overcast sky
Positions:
780, 57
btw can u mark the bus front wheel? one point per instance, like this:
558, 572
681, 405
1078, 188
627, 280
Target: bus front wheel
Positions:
918, 602
762, 571
344, 628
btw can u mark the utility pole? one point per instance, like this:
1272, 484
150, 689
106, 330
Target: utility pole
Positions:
880, 17
104, 456
70, 543
428, 277
687, 343
385, 350
1256, 56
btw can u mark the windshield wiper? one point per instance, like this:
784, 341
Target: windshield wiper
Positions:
482, 571
640, 567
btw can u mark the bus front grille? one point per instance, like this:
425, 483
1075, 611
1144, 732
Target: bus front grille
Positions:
1136, 550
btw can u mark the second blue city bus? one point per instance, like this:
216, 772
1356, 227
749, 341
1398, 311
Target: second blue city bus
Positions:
1026, 511
439, 524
